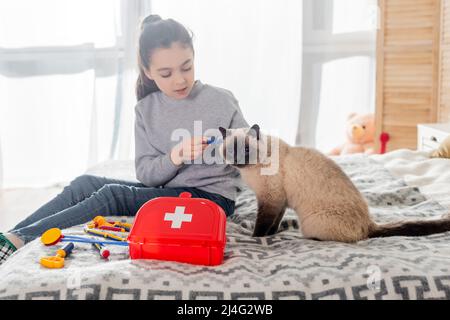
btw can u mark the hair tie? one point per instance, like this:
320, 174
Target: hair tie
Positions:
150, 19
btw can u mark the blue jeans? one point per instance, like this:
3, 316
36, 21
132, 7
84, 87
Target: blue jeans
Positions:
89, 196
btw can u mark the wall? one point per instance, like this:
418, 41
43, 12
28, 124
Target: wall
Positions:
444, 68
407, 69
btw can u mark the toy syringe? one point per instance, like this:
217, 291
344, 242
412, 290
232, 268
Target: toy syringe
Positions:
213, 140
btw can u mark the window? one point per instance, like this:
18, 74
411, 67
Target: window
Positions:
338, 68
60, 76
43, 23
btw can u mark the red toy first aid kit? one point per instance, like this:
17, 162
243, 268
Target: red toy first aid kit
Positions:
182, 229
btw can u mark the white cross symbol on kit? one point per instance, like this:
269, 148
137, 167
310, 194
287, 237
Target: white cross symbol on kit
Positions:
177, 217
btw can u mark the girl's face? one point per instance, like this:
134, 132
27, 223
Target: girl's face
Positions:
172, 69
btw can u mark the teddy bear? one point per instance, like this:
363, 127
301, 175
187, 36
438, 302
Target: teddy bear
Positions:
360, 131
443, 151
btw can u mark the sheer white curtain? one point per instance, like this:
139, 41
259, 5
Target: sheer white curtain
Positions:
67, 71
339, 62
254, 49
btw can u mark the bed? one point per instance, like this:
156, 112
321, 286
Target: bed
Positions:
403, 184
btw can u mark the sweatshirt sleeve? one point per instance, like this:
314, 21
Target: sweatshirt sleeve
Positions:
237, 119
152, 168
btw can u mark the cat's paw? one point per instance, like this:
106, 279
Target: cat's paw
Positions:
272, 231
257, 233
263, 232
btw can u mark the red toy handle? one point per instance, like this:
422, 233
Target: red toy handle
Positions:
384, 138
185, 194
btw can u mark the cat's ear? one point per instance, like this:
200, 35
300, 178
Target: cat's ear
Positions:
254, 131
223, 131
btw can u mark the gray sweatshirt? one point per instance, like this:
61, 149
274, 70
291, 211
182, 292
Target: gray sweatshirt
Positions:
158, 115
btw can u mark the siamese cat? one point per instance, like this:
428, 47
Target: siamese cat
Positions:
328, 204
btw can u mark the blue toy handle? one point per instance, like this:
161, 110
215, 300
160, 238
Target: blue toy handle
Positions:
84, 240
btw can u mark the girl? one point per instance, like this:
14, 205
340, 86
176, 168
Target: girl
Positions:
168, 99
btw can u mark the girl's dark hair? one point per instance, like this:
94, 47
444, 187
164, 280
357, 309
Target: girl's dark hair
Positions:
157, 33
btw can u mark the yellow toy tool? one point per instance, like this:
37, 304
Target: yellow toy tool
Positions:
104, 234
122, 224
101, 223
57, 262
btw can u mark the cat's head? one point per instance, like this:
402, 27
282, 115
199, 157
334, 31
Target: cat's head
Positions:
243, 147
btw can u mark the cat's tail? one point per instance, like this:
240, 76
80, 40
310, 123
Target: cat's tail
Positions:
410, 228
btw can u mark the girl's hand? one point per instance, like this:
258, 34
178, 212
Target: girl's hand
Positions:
188, 150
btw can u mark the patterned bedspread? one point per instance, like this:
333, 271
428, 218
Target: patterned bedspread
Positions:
282, 266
